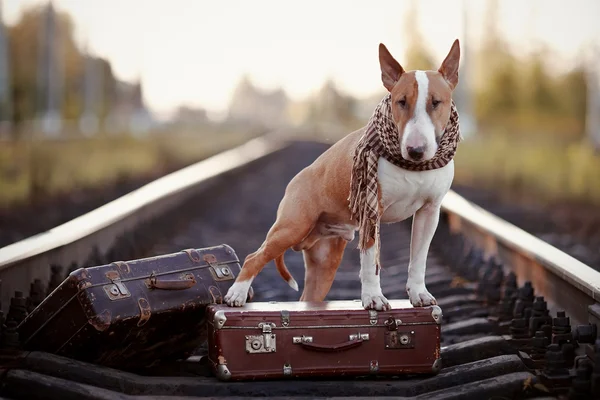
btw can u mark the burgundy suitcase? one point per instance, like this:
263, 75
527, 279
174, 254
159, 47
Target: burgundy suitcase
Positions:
328, 339
133, 314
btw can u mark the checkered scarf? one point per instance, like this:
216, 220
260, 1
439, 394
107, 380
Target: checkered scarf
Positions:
381, 139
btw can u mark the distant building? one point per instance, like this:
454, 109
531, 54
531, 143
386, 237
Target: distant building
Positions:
329, 111
365, 107
129, 112
250, 104
189, 116
188, 120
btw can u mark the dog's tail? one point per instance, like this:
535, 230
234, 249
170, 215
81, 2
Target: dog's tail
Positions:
285, 274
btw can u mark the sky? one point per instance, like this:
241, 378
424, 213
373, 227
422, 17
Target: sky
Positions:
194, 52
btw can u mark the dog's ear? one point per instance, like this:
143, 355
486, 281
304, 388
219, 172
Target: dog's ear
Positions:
449, 68
391, 70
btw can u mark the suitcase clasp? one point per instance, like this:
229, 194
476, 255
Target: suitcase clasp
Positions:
395, 339
223, 273
265, 343
399, 340
392, 323
285, 318
117, 290
219, 272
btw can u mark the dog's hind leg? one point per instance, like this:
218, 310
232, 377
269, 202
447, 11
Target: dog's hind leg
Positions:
281, 236
321, 261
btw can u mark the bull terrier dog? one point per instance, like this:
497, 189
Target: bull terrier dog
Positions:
314, 215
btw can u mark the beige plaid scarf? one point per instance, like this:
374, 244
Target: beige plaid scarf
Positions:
381, 139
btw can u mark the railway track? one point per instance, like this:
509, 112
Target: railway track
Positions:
573, 229
520, 317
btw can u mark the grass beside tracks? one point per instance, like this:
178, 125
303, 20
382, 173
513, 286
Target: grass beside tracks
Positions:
543, 167
31, 170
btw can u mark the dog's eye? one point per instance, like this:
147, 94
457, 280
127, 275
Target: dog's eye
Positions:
435, 103
402, 103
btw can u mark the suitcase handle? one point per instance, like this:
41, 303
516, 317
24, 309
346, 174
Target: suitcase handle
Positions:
332, 348
179, 284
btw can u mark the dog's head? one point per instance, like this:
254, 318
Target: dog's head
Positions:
421, 102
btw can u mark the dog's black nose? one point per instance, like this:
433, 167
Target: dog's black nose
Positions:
416, 153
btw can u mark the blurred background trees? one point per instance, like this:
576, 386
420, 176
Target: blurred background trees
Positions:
519, 93
45, 65
517, 102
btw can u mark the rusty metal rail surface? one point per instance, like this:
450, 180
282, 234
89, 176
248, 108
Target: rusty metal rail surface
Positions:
500, 337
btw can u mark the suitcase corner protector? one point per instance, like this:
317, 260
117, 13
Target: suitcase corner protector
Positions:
436, 313
437, 365
230, 250
219, 319
222, 372
79, 278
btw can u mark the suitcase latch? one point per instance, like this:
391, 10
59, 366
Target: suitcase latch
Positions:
219, 272
285, 318
117, 290
265, 343
222, 273
396, 339
399, 340
392, 324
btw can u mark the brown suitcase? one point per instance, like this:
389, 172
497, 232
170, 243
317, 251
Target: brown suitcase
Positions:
133, 314
328, 339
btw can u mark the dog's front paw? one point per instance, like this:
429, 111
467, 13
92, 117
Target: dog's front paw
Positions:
375, 301
237, 294
419, 295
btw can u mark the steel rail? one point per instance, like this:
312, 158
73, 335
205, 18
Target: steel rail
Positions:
565, 282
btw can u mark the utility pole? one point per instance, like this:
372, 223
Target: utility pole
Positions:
89, 123
592, 121
139, 118
464, 103
5, 94
50, 74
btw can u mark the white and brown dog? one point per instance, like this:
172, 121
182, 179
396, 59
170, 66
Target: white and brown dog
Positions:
314, 216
